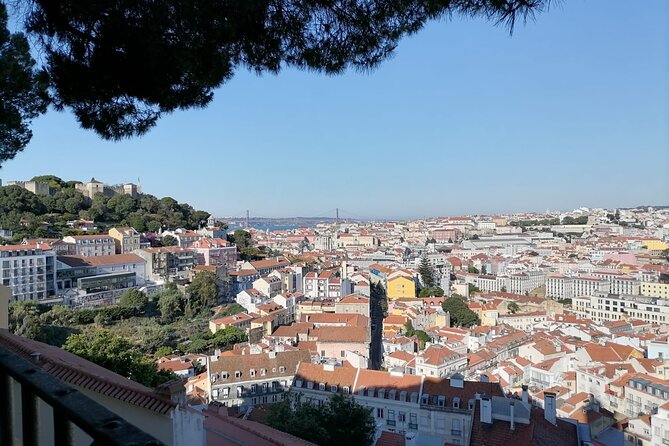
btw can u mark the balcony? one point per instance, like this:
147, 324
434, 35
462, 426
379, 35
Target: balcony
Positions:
390, 422
70, 411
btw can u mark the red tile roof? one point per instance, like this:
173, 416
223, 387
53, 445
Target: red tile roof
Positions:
79, 372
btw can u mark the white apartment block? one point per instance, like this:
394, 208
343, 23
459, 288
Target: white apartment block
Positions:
28, 270
660, 426
611, 307
644, 394
91, 245
525, 282
620, 283
567, 287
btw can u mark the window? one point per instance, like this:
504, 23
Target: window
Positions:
225, 375
240, 390
413, 421
321, 386
455, 428
347, 389
391, 418
226, 392
379, 413
282, 369
333, 388
254, 388
402, 417
342, 353
238, 374
253, 372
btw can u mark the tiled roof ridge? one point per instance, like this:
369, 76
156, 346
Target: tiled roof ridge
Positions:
79, 377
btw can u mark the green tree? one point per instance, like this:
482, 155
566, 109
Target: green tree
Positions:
473, 289
163, 351
461, 315
231, 309
339, 421
118, 355
53, 181
408, 329
202, 293
134, 299
472, 269
17, 199
431, 292
169, 240
426, 273
423, 338
170, 303
512, 307
23, 89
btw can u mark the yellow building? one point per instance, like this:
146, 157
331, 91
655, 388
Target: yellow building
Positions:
655, 245
655, 289
401, 286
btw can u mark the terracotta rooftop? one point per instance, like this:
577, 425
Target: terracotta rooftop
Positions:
81, 373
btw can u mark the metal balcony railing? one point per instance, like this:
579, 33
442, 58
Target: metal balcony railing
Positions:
22, 420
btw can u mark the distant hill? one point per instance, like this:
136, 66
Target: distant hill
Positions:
31, 215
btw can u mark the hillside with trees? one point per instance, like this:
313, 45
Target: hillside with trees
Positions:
30, 215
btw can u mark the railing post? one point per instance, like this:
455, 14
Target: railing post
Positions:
62, 429
29, 420
6, 419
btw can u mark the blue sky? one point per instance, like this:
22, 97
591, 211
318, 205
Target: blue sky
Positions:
572, 110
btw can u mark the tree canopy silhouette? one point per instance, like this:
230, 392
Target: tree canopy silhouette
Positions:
121, 64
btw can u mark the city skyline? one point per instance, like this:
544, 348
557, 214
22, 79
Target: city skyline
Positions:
428, 133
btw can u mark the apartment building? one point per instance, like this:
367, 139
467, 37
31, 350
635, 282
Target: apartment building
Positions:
620, 282
252, 379
269, 286
126, 240
438, 361
639, 393
525, 282
167, 262
660, 425
567, 287
91, 245
326, 285
29, 271
436, 411
655, 289
215, 251
611, 307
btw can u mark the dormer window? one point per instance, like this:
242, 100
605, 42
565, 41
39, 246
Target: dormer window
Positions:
225, 375
333, 388
347, 389
282, 369
310, 384
238, 374
321, 386
263, 372
253, 372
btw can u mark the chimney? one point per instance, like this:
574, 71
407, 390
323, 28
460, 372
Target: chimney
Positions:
525, 395
486, 410
512, 405
484, 378
5, 296
550, 407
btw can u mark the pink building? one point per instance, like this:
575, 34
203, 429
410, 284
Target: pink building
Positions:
215, 251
